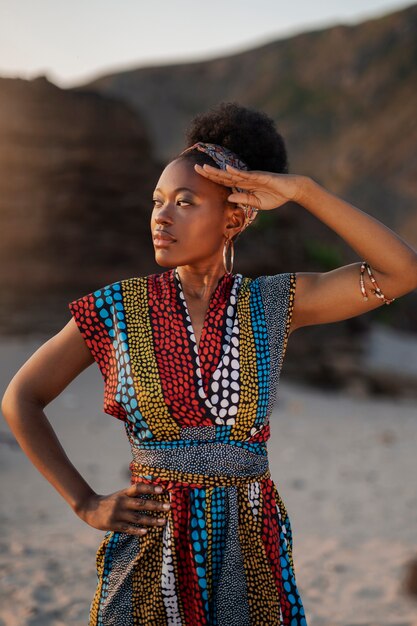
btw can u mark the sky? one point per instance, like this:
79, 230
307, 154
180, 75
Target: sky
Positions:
74, 41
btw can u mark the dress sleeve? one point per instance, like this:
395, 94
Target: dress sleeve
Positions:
277, 293
101, 320
95, 316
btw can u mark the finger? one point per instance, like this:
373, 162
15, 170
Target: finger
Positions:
141, 487
252, 177
245, 198
238, 198
124, 527
213, 172
229, 169
223, 178
246, 180
237, 172
136, 504
134, 517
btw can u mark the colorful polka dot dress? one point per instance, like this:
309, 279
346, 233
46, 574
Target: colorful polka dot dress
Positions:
197, 420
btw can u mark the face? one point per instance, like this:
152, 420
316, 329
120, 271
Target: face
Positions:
195, 211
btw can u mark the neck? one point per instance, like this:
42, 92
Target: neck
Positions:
199, 285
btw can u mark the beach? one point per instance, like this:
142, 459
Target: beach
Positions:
344, 465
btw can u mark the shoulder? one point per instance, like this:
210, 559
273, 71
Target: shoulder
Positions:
124, 284
102, 296
106, 294
272, 285
277, 292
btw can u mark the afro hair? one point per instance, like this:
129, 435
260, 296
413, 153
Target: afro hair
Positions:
249, 133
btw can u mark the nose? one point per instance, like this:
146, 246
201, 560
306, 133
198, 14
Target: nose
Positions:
163, 214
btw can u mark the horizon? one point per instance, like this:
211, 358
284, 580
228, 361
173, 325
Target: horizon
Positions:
36, 51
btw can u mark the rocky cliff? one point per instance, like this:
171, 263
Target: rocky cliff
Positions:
76, 177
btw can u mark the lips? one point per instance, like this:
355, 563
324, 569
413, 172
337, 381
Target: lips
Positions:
161, 234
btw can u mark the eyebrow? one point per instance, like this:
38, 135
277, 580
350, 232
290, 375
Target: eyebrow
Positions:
177, 189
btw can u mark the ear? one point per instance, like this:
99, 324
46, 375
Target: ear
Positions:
235, 222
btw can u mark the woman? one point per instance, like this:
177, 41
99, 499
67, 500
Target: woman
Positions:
191, 359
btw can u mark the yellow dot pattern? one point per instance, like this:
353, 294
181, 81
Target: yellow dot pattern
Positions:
232, 522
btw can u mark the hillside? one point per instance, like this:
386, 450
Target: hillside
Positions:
343, 97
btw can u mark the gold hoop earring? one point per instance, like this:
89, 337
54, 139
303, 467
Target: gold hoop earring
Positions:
228, 244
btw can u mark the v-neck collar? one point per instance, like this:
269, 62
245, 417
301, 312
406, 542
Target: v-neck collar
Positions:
227, 286
221, 293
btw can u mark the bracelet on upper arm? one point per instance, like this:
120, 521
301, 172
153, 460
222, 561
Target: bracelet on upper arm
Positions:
376, 291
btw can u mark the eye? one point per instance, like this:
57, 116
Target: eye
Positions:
155, 200
180, 200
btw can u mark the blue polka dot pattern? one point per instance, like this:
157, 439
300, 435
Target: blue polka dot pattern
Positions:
197, 420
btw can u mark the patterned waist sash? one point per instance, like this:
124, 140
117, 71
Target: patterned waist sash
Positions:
208, 463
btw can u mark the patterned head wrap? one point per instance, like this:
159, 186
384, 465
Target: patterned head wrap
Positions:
223, 156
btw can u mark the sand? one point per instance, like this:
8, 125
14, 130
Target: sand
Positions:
345, 467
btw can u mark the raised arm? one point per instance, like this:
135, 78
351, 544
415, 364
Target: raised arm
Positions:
322, 297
